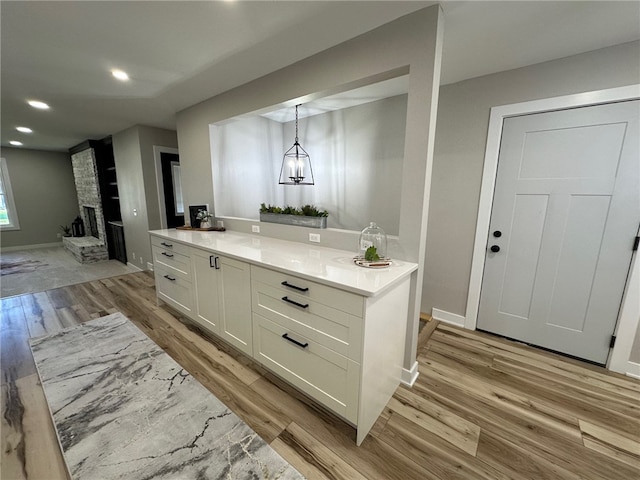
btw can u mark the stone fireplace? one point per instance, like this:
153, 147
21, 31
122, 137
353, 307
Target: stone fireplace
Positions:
93, 246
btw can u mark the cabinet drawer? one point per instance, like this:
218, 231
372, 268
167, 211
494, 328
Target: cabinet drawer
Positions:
170, 245
336, 298
330, 378
331, 328
178, 264
174, 290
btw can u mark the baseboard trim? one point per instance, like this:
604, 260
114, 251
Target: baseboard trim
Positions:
447, 317
129, 264
409, 377
31, 247
633, 370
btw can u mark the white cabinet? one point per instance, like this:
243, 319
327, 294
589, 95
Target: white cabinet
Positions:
206, 279
342, 349
339, 340
223, 298
172, 270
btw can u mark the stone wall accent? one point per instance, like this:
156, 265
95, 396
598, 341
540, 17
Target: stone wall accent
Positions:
85, 173
86, 249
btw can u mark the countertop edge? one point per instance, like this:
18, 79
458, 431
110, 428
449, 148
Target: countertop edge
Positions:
412, 267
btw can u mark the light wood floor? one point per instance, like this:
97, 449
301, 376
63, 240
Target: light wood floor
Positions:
482, 408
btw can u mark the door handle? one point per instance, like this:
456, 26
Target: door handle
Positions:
215, 263
497, 234
301, 289
495, 248
295, 303
286, 337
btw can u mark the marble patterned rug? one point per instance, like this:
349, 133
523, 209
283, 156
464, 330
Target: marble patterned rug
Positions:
123, 408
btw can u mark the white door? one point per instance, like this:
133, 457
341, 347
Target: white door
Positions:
566, 210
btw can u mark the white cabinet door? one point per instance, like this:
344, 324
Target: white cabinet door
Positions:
206, 279
234, 291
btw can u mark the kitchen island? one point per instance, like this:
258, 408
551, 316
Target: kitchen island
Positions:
332, 329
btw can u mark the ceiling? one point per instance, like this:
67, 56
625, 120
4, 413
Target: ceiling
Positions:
179, 53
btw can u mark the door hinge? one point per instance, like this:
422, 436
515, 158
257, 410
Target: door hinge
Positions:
612, 342
635, 243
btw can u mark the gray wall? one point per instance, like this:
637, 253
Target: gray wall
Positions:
411, 44
44, 193
461, 133
135, 168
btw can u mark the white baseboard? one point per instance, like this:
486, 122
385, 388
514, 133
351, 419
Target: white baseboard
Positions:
129, 264
150, 266
447, 317
633, 370
31, 247
409, 377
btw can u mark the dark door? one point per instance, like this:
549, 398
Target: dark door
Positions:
172, 189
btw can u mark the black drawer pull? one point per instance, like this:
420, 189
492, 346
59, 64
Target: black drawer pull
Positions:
286, 337
295, 303
168, 245
167, 254
300, 289
170, 278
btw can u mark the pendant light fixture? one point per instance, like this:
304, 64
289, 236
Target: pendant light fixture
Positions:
296, 164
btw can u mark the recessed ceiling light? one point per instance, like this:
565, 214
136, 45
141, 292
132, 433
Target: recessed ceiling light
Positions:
16, 143
119, 74
38, 104
24, 129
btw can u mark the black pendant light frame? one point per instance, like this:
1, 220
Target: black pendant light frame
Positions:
296, 159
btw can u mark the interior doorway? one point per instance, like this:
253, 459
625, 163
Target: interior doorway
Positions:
169, 183
628, 320
564, 219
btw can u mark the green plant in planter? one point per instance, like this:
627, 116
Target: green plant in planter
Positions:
305, 210
66, 229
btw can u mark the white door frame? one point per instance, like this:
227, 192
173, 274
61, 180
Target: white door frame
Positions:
626, 322
157, 150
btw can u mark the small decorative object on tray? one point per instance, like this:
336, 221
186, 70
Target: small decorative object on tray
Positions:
200, 229
372, 248
380, 263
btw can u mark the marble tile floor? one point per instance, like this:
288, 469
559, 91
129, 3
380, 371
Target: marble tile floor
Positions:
123, 408
52, 267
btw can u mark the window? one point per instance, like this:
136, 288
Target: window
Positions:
8, 213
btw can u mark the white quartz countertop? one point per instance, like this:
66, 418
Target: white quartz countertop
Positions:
321, 264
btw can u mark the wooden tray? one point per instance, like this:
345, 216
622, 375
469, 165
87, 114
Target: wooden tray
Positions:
214, 229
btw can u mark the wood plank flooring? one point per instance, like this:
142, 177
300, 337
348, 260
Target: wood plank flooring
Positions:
482, 407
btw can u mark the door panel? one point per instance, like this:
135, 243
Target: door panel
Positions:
567, 201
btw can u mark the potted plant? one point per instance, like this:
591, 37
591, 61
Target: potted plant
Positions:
305, 216
66, 230
205, 218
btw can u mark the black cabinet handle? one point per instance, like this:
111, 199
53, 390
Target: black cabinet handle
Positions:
167, 254
286, 337
495, 248
170, 278
295, 303
497, 234
213, 262
300, 289
168, 245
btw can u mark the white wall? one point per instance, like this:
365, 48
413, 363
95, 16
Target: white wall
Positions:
461, 134
356, 154
411, 44
135, 168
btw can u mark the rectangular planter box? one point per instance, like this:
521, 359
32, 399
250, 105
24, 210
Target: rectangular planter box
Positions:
297, 220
